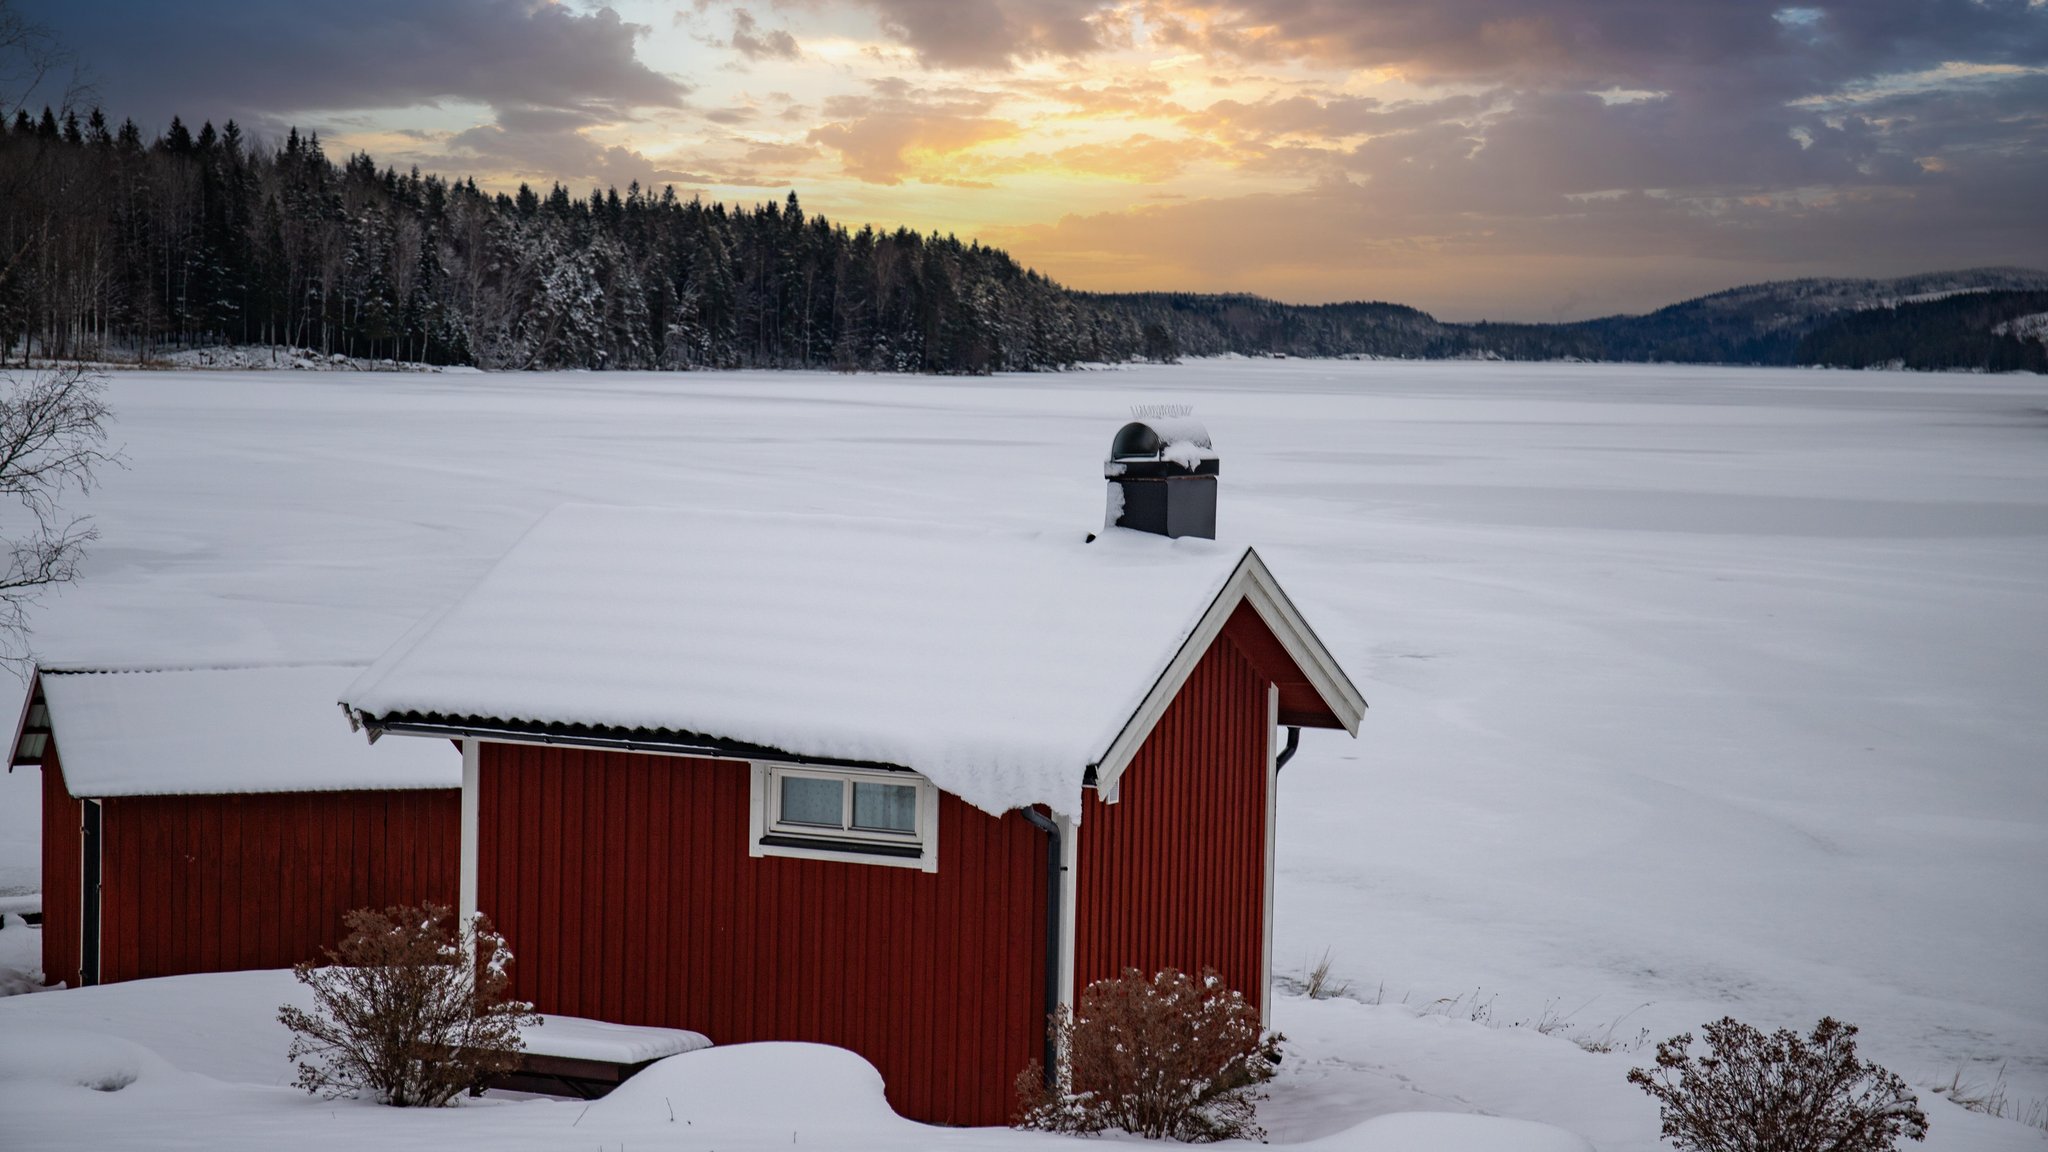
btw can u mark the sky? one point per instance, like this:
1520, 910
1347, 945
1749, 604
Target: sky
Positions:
1503, 159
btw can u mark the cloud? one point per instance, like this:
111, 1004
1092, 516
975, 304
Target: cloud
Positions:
1725, 45
1452, 237
773, 155
1396, 146
257, 58
994, 34
1126, 96
538, 155
1141, 158
897, 131
749, 39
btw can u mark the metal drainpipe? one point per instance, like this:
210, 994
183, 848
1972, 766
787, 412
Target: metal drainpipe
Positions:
1053, 868
1287, 753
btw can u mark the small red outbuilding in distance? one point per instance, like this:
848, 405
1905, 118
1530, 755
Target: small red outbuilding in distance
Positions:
217, 819
888, 785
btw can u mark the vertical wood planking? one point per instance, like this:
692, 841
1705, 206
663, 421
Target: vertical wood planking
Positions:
1172, 875
224, 883
906, 968
61, 819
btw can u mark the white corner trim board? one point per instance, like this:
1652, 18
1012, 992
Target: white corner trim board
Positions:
1272, 816
1070, 899
472, 761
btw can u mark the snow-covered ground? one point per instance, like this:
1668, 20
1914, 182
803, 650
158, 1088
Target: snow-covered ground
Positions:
1695, 691
199, 1062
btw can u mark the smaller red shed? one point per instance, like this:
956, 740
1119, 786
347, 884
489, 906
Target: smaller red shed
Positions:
216, 819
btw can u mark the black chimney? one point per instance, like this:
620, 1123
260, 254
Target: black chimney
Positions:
1162, 477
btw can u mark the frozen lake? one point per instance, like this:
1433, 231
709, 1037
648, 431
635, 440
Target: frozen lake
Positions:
1694, 691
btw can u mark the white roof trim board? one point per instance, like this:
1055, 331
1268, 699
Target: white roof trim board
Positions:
199, 731
1251, 581
1000, 665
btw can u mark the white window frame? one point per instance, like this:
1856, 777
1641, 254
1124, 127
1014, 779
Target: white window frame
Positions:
769, 836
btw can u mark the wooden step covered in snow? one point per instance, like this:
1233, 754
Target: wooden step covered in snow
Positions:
573, 1056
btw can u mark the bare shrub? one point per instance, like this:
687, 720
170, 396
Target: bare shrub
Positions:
1166, 1057
1778, 1093
403, 1012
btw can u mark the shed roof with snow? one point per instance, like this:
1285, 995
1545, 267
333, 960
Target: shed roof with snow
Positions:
187, 731
1004, 666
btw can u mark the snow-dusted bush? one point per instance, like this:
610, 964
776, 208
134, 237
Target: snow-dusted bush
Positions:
1778, 1093
1170, 1056
402, 1012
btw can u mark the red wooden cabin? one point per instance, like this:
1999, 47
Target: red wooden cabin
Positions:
209, 820
895, 787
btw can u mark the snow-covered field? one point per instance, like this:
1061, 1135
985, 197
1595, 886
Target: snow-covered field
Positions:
1695, 691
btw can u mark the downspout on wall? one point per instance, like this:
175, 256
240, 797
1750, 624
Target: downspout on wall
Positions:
1287, 753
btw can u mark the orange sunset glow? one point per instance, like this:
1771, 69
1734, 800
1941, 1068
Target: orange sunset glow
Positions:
1542, 160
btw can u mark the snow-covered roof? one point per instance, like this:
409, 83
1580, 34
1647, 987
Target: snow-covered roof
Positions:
1001, 665
215, 730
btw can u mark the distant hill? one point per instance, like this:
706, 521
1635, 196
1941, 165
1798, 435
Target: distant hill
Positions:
1753, 324
1994, 331
1196, 324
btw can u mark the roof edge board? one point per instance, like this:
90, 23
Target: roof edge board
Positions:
35, 689
1250, 581
702, 749
1308, 650
1110, 767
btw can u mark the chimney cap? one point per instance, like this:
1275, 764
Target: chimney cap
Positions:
1162, 446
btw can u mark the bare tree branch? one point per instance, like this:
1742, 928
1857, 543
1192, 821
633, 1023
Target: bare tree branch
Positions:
53, 437
30, 57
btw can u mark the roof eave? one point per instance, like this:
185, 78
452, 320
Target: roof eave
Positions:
35, 689
660, 742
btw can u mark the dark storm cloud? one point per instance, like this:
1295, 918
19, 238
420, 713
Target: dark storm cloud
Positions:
265, 60
1768, 47
1765, 47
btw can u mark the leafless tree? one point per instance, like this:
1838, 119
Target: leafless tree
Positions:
53, 439
35, 66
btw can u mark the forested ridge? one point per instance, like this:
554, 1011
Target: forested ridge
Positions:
1988, 330
112, 242
117, 246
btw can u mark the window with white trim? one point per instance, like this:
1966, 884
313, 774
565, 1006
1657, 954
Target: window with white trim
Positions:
852, 814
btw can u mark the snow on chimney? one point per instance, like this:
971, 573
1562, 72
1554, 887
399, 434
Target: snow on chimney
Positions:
1162, 473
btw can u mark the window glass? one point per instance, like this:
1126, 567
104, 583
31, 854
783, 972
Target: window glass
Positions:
807, 800
884, 807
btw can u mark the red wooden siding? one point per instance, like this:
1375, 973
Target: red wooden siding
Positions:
221, 883
624, 886
1173, 873
60, 874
